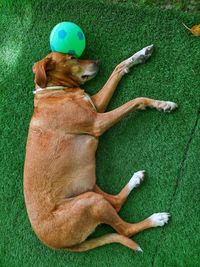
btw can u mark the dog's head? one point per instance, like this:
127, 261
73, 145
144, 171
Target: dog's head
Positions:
64, 69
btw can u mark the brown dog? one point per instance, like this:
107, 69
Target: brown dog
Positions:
63, 202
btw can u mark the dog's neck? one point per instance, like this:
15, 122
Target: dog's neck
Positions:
49, 88
86, 96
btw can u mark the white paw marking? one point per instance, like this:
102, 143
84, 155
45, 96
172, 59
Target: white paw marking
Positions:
136, 179
159, 219
142, 55
139, 57
166, 106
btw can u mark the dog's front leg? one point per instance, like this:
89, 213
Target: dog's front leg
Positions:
104, 121
102, 98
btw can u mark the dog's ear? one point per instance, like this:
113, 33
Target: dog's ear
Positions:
40, 68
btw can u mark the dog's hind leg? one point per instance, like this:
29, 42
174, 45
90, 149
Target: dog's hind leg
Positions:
100, 211
102, 98
127, 230
76, 219
157, 219
106, 214
118, 200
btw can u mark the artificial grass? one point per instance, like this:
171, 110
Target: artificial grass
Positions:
165, 145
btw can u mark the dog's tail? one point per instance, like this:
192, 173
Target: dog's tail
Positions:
103, 240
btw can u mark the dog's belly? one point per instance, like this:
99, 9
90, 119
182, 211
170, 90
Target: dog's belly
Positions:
80, 165
57, 167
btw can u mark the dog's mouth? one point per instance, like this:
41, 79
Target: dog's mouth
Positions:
85, 77
89, 75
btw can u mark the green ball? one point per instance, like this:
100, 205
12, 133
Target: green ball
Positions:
67, 37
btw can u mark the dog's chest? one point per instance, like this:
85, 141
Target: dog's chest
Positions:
88, 99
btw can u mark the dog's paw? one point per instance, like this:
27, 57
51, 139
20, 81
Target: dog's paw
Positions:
142, 55
136, 179
159, 219
166, 106
139, 57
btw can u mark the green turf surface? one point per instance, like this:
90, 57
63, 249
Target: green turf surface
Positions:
165, 145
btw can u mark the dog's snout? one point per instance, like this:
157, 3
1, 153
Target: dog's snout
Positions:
97, 62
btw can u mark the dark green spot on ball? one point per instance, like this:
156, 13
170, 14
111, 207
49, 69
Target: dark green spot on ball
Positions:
62, 34
80, 35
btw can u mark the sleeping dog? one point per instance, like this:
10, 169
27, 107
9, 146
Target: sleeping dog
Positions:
63, 201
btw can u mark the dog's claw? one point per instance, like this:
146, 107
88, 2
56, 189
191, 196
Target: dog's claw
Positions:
148, 50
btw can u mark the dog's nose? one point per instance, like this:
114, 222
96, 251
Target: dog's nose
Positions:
97, 62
